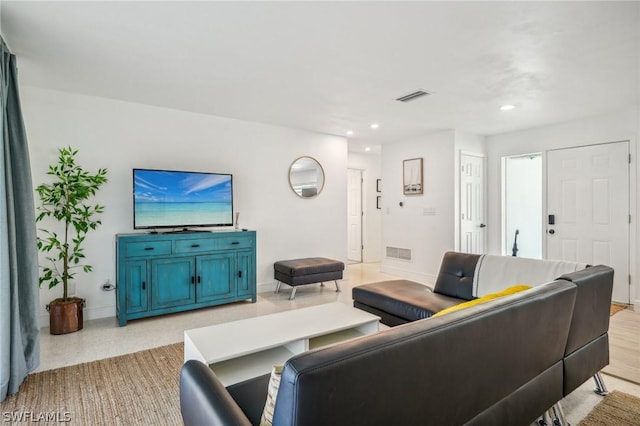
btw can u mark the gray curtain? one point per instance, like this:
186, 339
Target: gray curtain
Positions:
19, 293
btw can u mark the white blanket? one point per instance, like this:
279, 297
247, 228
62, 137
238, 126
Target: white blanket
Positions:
495, 273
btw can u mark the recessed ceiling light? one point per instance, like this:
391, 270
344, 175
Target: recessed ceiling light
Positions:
507, 107
349, 132
375, 125
368, 149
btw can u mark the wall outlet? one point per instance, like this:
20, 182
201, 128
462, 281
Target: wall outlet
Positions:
107, 286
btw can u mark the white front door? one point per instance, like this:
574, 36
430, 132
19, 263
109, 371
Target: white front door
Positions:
472, 220
354, 212
588, 209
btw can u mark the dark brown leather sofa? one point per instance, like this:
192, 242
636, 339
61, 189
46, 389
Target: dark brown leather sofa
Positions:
503, 362
400, 301
587, 350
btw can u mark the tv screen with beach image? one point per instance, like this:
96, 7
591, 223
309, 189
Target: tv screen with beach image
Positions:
165, 199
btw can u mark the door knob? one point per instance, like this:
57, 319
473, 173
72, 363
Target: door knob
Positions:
552, 231
482, 225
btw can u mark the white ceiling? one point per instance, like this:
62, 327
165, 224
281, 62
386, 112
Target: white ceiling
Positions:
335, 66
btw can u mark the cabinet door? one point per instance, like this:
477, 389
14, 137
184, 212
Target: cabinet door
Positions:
245, 273
137, 283
215, 277
173, 282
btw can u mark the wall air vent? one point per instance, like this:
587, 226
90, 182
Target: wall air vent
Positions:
413, 96
399, 253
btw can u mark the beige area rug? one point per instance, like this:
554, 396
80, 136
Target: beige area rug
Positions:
616, 409
134, 389
617, 307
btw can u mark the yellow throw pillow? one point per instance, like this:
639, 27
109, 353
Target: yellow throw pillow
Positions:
483, 299
272, 392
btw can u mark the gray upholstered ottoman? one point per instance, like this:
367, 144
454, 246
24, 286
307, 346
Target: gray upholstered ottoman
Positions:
309, 270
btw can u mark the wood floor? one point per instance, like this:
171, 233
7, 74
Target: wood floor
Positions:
624, 346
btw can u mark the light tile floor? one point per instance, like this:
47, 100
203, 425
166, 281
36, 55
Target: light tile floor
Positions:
103, 338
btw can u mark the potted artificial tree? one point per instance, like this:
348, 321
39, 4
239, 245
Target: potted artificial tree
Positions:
66, 200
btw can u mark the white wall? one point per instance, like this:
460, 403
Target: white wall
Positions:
470, 142
619, 126
428, 236
370, 164
120, 136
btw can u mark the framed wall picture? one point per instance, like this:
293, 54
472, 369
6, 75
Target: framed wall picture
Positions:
379, 202
412, 176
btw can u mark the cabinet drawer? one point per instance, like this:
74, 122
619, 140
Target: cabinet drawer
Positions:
195, 245
149, 248
235, 242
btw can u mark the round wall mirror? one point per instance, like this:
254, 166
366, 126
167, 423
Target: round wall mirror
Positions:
306, 177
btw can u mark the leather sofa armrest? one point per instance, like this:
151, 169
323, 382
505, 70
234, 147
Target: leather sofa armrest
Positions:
205, 400
593, 302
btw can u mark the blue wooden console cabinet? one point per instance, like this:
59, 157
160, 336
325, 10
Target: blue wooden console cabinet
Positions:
172, 272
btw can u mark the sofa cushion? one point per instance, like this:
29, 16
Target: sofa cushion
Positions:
402, 298
308, 266
250, 395
456, 275
385, 317
483, 299
497, 272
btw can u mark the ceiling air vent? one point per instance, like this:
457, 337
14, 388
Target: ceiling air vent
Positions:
413, 96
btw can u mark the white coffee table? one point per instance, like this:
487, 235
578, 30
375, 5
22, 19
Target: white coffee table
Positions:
240, 350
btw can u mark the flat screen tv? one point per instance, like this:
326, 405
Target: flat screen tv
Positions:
177, 199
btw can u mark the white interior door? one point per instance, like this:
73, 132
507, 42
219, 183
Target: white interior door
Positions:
354, 212
588, 209
472, 220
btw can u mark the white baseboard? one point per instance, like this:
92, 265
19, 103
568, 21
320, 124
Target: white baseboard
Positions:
110, 311
266, 287
103, 312
44, 320
87, 314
